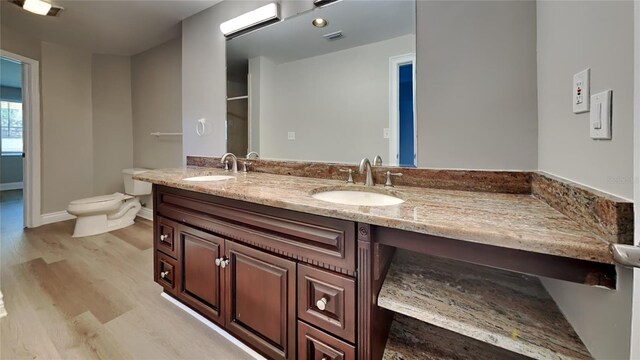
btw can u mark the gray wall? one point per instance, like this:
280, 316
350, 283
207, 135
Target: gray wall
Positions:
565, 148
355, 128
157, 106
112, 122
203, 72
67, 134
476, 93
601, 317
10, 169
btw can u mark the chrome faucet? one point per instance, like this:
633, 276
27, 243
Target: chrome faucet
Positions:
253, 153
234, 166
377, 161
365, 168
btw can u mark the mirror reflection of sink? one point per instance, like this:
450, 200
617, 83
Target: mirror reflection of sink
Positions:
358, 197
208, 178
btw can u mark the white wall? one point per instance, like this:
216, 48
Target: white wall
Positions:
606, 46
600, 317
112, 122
314, 97
476, 76
203, 72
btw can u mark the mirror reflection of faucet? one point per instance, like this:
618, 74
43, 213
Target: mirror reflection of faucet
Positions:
377, 161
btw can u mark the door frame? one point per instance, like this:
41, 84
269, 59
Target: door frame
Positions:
635, 296
394, 116
30, 137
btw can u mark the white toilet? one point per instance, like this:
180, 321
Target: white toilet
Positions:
100, 214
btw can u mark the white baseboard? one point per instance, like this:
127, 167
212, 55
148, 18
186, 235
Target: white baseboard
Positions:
3, 311
146, 213
55, 217
215, 328
11, 186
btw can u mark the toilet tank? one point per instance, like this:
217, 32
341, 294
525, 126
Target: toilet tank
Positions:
135, 187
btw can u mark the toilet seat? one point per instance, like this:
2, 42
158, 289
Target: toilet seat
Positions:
97, 203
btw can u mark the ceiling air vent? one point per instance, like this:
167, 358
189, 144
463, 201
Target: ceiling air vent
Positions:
333, 36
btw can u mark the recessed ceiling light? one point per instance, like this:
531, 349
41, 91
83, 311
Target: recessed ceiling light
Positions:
39, 7
320, 22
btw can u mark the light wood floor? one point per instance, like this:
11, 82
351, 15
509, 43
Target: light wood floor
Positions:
91, 298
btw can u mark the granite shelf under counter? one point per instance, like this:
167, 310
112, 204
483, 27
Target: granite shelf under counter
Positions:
512, 221
504, 309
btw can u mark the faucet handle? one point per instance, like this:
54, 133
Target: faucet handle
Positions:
388, 183
350, 179
244, 165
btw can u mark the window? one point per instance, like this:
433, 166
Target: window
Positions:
11, 126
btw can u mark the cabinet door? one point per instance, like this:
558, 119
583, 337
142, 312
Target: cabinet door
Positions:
261, 303
201, 279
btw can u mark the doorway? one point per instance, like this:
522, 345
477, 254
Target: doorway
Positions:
403, 140
19, 142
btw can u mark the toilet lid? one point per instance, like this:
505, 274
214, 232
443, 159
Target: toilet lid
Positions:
99, 199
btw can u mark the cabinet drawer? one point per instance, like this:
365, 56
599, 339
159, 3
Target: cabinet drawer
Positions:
327, 300
313, 344
165, 274
325, 242
164, 237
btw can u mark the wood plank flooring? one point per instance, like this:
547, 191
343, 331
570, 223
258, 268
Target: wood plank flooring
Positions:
91, 298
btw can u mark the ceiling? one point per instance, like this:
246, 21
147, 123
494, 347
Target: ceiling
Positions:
361, 22
106, 26
10, 73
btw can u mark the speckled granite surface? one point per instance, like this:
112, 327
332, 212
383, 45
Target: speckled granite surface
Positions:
501, 308
411, 339
506, 220
508, 182
608, 216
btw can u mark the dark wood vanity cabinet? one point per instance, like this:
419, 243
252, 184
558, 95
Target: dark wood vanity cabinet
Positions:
261, 303
280, 281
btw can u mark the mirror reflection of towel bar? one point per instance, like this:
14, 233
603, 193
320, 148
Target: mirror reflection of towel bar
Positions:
158, 134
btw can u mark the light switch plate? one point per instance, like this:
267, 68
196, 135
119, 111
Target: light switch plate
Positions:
291, 135
581, 91
600, 117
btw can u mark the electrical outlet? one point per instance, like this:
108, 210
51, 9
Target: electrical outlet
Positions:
581, 90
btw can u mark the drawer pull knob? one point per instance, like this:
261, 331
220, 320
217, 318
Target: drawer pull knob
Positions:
163, 237
321, 304
164, 274
222, 262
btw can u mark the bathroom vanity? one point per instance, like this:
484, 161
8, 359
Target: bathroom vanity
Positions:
298, 278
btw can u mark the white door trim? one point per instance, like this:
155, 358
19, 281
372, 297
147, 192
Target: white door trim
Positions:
31, 123
635, 296
394, 121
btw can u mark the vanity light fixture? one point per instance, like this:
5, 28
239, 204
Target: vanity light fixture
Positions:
320, 3
252, 20
320, 22
39, 7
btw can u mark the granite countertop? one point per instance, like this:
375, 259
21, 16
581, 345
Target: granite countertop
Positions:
506, 220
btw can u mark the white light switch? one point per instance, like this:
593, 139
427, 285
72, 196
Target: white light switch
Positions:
581, 91
291, 135
600, 117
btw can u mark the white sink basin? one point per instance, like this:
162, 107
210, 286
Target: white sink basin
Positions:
208, 178
360, 198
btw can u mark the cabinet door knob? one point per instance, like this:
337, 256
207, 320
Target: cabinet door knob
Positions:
321, 304
163, 237
163, 274
224, 263
218, 261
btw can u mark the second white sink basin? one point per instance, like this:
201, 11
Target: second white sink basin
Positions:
360, 198
209, 178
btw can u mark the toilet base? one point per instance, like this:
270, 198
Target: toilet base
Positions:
101, 223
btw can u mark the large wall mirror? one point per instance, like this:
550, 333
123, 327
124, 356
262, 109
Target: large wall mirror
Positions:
334, 93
